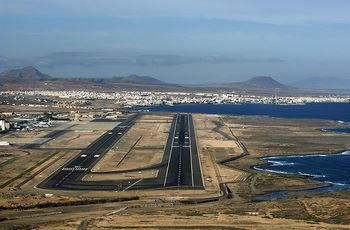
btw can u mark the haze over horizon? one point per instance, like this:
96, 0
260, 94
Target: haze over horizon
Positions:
178, 41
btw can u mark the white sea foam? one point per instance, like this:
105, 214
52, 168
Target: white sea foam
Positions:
267, 158
334, 183
299, 156
269, 170
345, 153
312, 175
275, 171
307, 155
280, 163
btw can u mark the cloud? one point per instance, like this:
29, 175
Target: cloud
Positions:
91, 59
97, 59
267, 11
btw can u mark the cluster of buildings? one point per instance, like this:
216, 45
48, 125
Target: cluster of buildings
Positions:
4, 125
24, 122
138, 98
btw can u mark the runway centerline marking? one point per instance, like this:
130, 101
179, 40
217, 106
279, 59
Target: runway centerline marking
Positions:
179, 171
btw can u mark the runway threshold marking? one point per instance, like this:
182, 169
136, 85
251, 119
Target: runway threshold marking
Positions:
82, 162
171, 150
74, 169
132, 184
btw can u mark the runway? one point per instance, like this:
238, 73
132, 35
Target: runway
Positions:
183, 167
76, 169
180, 166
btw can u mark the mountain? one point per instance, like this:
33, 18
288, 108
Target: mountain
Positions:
261, 83
25, 74
256, 83
142, 80
323, 83
31, 76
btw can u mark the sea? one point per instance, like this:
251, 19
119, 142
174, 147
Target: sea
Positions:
333, 169
329, 111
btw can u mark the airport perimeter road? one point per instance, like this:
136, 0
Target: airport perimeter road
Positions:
77, 168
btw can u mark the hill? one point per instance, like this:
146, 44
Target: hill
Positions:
33, 78
25, 74
261, 83
142, 80
255, 83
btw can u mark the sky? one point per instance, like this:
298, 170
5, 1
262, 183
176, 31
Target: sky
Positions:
182, 41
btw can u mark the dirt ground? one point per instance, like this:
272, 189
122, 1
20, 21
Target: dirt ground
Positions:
218, 138
24, 137
74, 139
141, 146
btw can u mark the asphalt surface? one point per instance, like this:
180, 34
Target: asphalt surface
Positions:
76, 169
180, 166
183, 168
50, 136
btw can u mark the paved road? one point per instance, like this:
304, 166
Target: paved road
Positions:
180, 166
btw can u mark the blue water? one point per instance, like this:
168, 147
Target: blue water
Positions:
332, 169
329, 111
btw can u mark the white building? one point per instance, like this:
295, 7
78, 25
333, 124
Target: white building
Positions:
2, 125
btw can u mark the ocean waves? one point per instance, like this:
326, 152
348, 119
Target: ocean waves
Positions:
332, 169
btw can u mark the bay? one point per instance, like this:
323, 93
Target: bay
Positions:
328, 111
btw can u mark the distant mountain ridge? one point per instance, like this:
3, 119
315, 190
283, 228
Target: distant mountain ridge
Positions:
28, 73
135, 79
31, 74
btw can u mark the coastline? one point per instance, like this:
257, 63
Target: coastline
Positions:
329, 186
